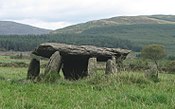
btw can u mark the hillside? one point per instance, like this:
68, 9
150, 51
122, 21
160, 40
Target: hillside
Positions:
118, 21
9, 28
125, 32
140, 30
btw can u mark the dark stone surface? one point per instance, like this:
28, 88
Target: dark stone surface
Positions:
34, 69
75, 67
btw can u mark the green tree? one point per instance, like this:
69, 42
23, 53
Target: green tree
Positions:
153, 52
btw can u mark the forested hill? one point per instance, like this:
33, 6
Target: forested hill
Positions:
139, 30
9, 28
125, 32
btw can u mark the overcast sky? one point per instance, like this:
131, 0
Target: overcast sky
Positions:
54, 14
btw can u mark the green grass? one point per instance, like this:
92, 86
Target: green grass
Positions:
7, 61
129, 90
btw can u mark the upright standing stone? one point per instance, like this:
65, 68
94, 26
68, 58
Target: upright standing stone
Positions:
92, 65
111, 66
53, 67
34, 69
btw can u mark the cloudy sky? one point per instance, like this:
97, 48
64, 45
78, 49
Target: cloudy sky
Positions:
54, 14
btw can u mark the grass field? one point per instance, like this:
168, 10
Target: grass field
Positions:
128, 90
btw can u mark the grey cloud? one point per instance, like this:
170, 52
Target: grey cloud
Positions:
76, 11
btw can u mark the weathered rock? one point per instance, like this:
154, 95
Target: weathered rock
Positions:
47, 49
92, 65
38, 58
34, 69
111, 66
53, 67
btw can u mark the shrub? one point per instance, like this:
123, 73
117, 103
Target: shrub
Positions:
137, 65
170, 67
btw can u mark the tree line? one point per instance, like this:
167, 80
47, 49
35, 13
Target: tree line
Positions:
29, 42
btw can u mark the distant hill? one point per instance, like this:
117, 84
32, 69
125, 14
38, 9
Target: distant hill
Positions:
131, 32
11, 28
118, 21
140, 30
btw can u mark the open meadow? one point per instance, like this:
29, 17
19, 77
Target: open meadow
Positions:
87, 54
127, 89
